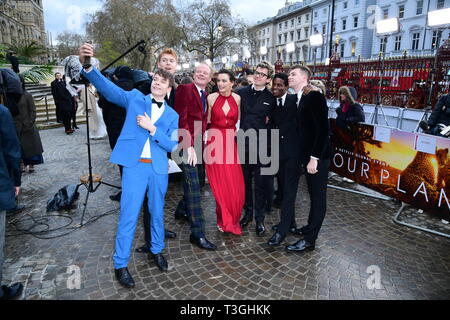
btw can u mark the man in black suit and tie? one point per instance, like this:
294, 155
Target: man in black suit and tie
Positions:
257, 103
284, 118
63, 101
314, 154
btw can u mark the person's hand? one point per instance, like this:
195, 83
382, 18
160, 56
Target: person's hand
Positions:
312, 166
192, 156
17, 191
145, 122
308, 88
86, 50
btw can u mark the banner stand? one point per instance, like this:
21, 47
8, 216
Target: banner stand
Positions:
358, 192
396, 220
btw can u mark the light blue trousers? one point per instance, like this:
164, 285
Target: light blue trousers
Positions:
135, 181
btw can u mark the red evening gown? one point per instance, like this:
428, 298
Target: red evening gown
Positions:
223, 167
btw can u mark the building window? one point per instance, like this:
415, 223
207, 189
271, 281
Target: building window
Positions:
436, 39
280, 26
307, 17
334, 26
324, 28
315, 30
440, 4
285, 37
300, 19
315, 14
285, 24
299, 34
385, 13
292, 36
264, 32
419, 8
325, 12
292, 22
342, 49
355, 22
279, 39
415, 41
306, 32
401, 11
398, 43
383, 42
344, 24
345, 5
356, 3
353, 49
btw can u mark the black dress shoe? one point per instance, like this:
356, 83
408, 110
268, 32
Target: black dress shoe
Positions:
12, 292
116, 197
160, 261
276, 239
124, 277
202, 243
169, 234
293, 230
260, 229
181, 216
246, 220
300, 246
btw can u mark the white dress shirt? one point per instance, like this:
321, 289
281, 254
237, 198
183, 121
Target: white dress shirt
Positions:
156, 114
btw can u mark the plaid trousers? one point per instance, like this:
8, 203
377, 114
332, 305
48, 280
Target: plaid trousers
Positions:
190, 203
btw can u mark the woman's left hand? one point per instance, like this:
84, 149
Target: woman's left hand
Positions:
312, 166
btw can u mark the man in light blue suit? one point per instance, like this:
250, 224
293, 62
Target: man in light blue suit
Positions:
149, 133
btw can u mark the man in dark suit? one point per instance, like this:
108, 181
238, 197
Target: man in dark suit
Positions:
190, 104
63, 101
257, 103
314, 154
14, 62
284, 118
10, 180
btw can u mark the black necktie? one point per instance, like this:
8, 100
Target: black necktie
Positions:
203, 100
280, 102
159, 104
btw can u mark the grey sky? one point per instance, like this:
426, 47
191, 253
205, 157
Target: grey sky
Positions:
62, 15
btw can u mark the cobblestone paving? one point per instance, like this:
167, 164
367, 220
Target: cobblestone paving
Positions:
357, 233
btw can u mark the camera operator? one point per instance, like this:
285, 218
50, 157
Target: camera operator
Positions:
439, 118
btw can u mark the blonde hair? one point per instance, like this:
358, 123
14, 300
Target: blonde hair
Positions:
319, 84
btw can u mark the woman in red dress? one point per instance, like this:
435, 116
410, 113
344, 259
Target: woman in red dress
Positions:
222, 163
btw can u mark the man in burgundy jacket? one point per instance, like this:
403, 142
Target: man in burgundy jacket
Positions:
190, 104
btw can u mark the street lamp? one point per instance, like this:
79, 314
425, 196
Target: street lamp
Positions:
224, 61
315, 41
436, 20
235, 58
383, 28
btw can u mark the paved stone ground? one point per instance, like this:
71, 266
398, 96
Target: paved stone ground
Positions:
358, 233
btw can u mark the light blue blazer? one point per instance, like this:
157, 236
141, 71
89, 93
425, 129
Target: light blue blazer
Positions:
132, 139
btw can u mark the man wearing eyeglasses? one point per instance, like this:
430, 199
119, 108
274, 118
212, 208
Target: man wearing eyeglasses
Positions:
257, 103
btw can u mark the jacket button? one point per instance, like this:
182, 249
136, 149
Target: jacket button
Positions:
282, 137
156, 141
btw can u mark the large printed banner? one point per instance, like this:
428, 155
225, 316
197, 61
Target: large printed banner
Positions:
411, 167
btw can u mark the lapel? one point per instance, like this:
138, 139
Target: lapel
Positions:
197, 97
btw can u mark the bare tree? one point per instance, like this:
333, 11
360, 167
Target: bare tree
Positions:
68, 43
120, 24
208, 28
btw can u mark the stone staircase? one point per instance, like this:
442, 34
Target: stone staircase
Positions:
45, 107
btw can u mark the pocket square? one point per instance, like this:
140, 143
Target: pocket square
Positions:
266, 103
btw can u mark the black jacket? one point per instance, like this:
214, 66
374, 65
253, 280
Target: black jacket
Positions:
313, 127
61, 95
285, 120
441, 112
10, 154
354, 114
255, 107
